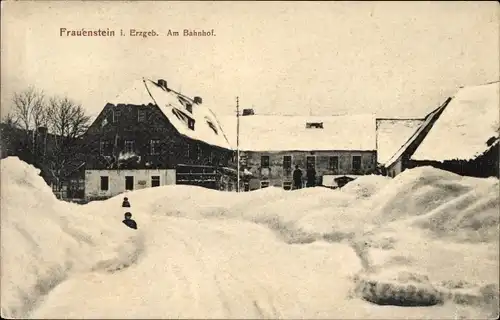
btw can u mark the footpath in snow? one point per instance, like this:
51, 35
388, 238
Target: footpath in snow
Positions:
426, 239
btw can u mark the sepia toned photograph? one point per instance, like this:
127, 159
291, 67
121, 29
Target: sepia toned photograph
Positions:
250, 160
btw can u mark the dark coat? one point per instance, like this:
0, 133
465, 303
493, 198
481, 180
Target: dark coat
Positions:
311, 174
130, 223
125, 204
297, 175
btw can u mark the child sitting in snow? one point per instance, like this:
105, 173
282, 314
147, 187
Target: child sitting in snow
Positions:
129, 222
125, 203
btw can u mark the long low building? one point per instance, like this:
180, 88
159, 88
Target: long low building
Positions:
271, 146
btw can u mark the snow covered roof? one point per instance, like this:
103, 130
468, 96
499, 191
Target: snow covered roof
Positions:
464, 127
392, 134
290, 133
428, 121
178, 108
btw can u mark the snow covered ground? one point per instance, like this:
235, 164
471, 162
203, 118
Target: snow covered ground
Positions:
427, 237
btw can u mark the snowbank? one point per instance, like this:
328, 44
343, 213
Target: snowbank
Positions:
44, 240
200, 253
366, 186
419, 191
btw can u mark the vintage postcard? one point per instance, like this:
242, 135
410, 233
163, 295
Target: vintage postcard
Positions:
250, 160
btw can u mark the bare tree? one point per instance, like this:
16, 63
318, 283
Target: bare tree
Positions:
29, 113
29, 108
67, 122
66, 118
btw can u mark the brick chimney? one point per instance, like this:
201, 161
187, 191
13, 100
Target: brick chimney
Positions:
197, 100
162, 83
248, 112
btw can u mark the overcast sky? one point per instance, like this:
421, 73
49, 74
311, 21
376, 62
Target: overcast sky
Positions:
395, 59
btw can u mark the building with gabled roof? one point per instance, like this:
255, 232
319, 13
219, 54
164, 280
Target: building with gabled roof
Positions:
272, 145
392, 133
460, 136
465, 138
151, 135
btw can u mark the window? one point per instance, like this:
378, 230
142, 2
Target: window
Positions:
333, 163
129, 146
141, 115
192, 151
102, 148
316, 125
155, 181
311, 162
155, 147
199, 152
184, 118
105, 148
116, 115
264, 161
129, 183
180, 115
264, 184
211, 125
186, 104
287, 162
356, 163
104, 183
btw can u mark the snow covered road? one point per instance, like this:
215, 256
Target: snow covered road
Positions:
194, 269
201, 253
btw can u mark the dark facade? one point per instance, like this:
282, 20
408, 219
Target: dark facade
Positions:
141, 137
486, 165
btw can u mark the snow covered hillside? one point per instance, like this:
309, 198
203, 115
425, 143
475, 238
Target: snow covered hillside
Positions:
427, 238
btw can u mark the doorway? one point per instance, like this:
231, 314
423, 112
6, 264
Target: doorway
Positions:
129, 183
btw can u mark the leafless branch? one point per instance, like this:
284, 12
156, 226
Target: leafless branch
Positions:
67, 119
67, 122
29, 108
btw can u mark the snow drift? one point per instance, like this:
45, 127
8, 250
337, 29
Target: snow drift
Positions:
45, 240
199, 253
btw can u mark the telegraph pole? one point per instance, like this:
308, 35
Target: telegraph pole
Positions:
238, 143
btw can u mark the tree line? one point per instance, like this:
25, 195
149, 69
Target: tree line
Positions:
45, 131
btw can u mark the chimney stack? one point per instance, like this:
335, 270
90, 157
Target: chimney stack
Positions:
248, 112
197, 100
162, 83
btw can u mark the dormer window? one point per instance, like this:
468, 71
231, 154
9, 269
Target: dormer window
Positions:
186, 104
184, 118
211, 125
314, 125
179, 114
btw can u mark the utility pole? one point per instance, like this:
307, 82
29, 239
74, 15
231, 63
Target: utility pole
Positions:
238, 144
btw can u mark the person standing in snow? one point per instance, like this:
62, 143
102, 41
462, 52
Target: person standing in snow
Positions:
297, 178
311, 177
125, 203
129, 222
